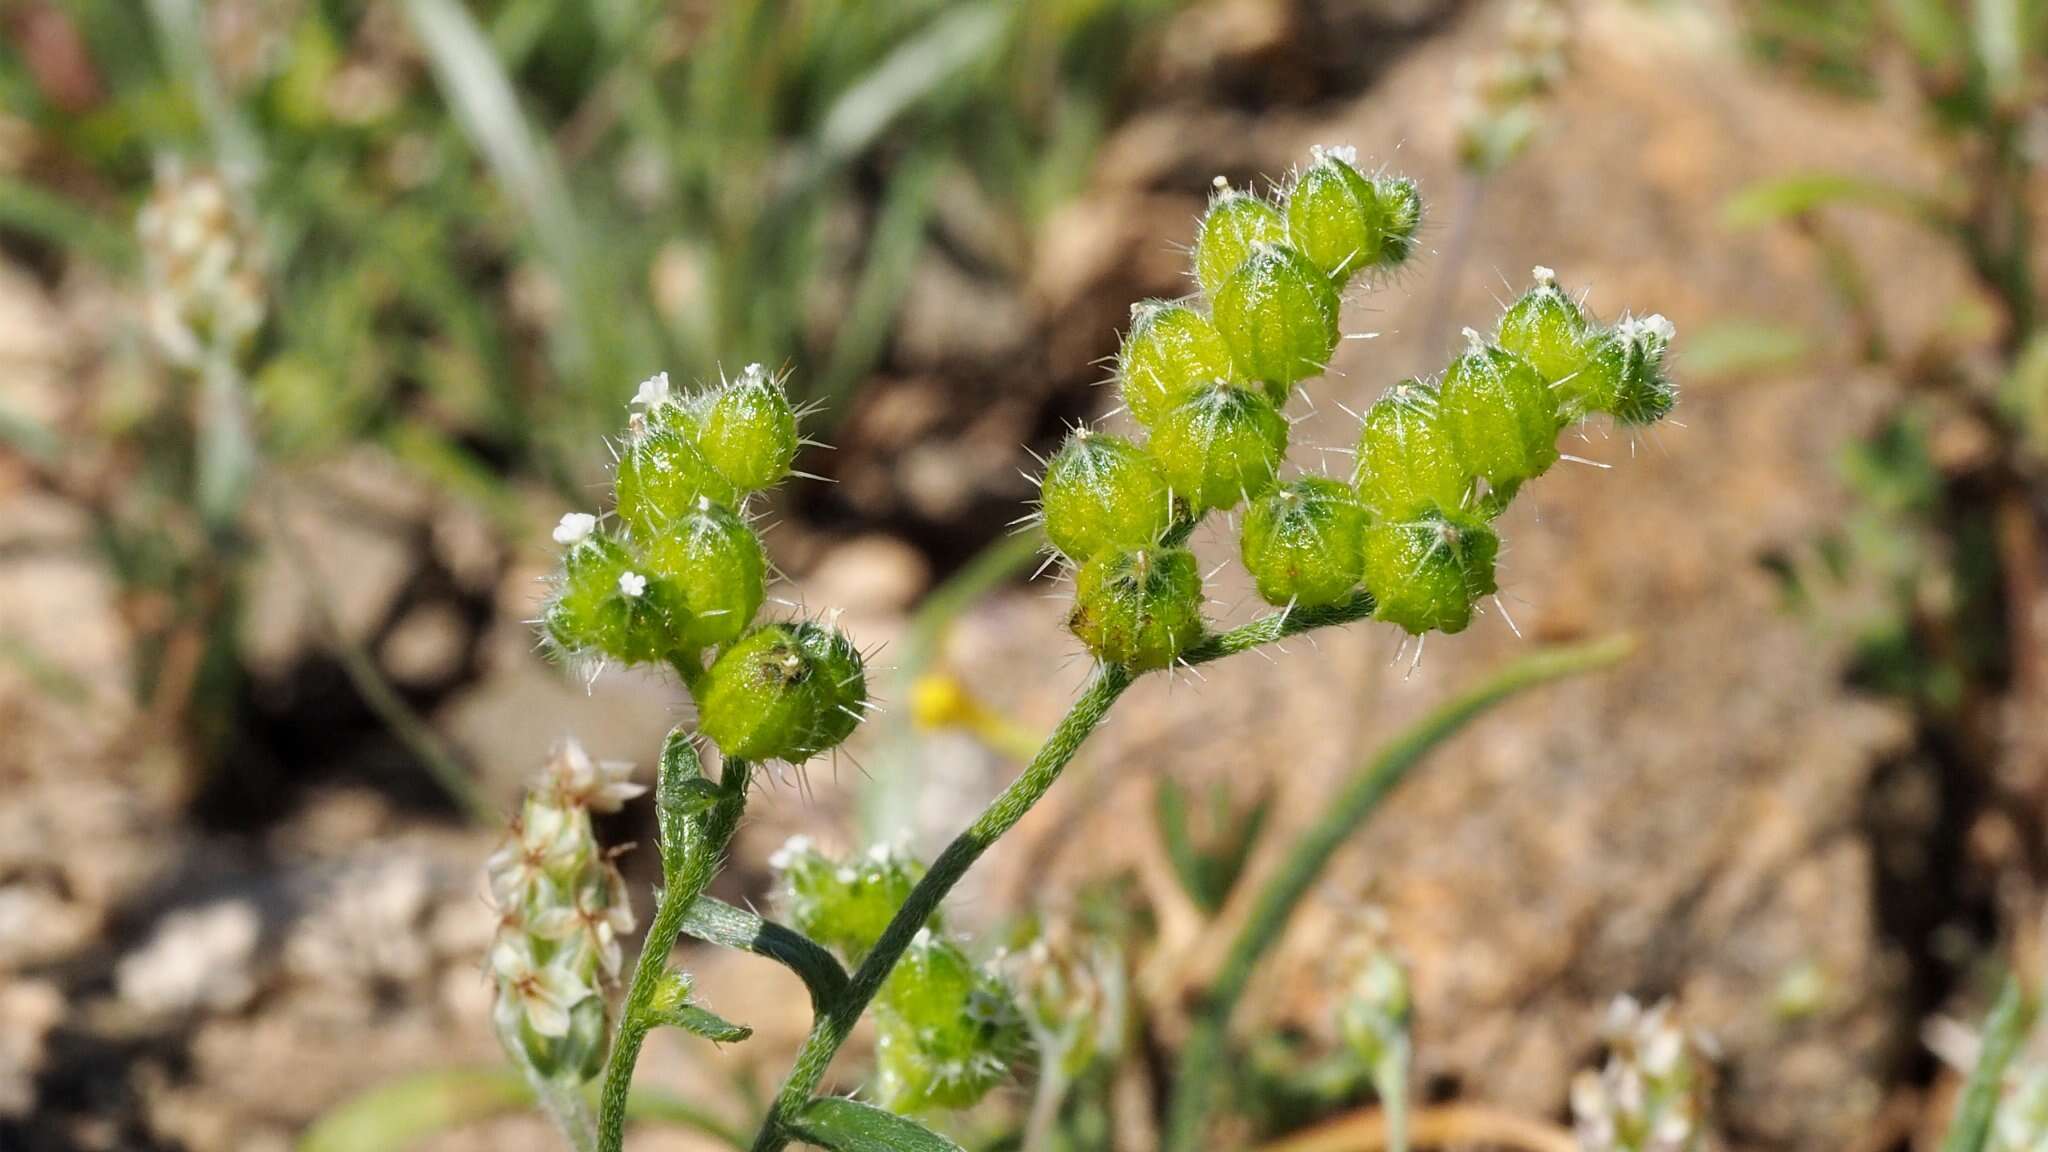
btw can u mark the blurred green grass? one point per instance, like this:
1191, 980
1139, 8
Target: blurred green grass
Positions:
487, 220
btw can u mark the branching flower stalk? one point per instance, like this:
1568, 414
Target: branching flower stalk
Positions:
672, 575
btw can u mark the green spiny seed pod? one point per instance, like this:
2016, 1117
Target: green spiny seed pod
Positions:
1141, 609
844, 906
1401, 215
1236, 224
1278, 313
606, 602
714, 563
1102, 493
1220, 446
1501, 414
946, 1029
1625, 377
1547, 328
1333, 215
1407, 462
1170, 351
748, 431
661, 477
783, 692
1426, 573
1304, 542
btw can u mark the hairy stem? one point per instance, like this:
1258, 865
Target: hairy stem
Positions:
832, 1027
1201, 1060
693, 840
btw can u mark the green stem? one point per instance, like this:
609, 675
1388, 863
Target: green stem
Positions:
2004, 1032
1201, 1061
831, 1029
693, 840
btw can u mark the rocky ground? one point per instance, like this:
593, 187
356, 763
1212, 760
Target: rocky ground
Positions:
1715, 820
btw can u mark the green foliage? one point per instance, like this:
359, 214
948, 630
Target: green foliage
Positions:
1428, 572
1102, 493
1170, 352
844, 905
844, 1125
786, 691
1278, 314
1304, 543
1140, 609
1220, 446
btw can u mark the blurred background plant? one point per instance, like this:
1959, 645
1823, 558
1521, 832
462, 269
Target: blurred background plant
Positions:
474, 220
1932, 577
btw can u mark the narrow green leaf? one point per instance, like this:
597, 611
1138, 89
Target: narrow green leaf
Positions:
716, 922
850, 1126
704, 1022
1769, 201
1170, 810
681, 795
2004, 1031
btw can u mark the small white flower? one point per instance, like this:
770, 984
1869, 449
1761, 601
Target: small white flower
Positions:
574, 528
1544, 276
543, 993
654, 391
632, 584
753, 372
599, 785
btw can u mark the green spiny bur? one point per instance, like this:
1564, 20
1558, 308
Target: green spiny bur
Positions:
748, 431
946, 1029
1170, 352
1407, 461
783, 692
1100, 493
1140, 609
1401, 215
844, 905
1236, 224
1625, 375
606, 602
661, 476
1501, 415
1427, 572
1334, 216
713, 562
1546, 327
1304, 542
1278, 313
1220, 446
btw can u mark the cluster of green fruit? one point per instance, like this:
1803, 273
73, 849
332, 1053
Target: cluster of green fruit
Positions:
1437, 462
946, 1028
677, 570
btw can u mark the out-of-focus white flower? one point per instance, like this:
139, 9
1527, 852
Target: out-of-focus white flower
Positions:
574, 528
654, 391
542, 993
599, 785
201, 267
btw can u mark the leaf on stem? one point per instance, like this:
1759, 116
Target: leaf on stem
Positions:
845, 1125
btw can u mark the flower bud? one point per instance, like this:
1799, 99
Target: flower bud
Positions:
1304, 542
1427, 572
1139, 609
661, 477
1501, 415
713, 563
783, 692
1407, 462
1547, 328
1236, 224
946, 1030
747, 431
1333, 216
844, 906
604, 601
1625, 375
1220, 446
1278, 313
1102, 493
1651, 1094
1170, 352
1401, 216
